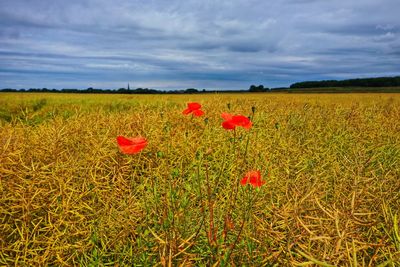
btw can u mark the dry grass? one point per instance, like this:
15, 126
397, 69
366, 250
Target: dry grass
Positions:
69, 197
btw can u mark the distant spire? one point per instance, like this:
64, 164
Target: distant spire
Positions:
128, 86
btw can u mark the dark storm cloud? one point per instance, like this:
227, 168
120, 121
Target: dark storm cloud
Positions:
204, 44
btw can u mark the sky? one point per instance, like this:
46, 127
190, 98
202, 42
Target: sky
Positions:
203, 44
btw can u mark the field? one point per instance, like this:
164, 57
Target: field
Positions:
70, 197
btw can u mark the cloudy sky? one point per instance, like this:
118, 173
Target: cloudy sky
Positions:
220, 44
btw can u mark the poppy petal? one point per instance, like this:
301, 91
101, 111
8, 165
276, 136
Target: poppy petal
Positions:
255, 174
226, 116
253, 178
229, 125
240, 120
244, 180
194, 106
123, 141
248, 125
186, 111
133, 149
198, 112
243, 121
131, 145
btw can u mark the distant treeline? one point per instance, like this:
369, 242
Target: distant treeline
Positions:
366, 82
91, 90
391, 84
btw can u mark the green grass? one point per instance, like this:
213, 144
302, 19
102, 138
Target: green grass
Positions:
69, 197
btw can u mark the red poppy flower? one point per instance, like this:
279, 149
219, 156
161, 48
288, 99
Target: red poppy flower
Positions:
131, 145
231, 121
193, 108
253, 178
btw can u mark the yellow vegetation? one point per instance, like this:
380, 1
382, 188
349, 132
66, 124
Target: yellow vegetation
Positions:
69, 197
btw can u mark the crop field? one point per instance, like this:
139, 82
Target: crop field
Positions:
311, 180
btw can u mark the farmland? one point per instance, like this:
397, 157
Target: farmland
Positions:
330, 163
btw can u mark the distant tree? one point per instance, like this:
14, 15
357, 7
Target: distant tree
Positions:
8, 90
259, 88
191, 91
122, 91
65, 90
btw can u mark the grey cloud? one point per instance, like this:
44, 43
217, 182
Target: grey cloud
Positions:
360, 29
171, 44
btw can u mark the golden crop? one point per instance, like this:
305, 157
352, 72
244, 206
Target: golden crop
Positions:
68, 196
